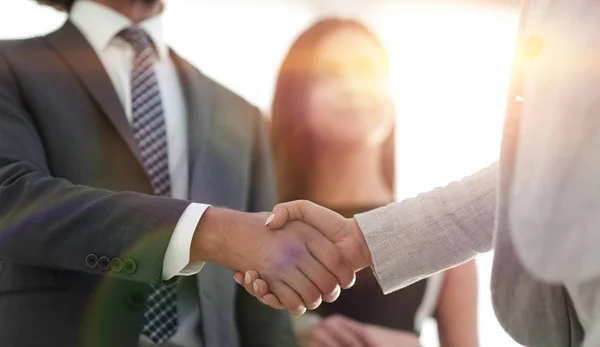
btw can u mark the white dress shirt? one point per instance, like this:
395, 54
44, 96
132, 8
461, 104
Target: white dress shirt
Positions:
100, 25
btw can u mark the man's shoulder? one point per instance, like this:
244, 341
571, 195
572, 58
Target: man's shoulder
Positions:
16, 45
18, 48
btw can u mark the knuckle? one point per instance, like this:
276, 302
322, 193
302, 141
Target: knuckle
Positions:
330, 286
337, 261
326, 324
336, 318
330, 325
327, 288
302, 202
278, 208
302, 205
316, 333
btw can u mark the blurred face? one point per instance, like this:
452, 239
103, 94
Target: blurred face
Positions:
349, 104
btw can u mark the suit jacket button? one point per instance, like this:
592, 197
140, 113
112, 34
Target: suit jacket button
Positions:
104, 263
136, 300
116, 265
532, 47
129, 266
91, 260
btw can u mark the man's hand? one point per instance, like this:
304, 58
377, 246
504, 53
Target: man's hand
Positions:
344, 233
299, 264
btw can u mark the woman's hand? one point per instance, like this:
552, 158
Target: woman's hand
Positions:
385, 337
339, 331
334, 331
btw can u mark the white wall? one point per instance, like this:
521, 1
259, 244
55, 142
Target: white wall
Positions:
451, 65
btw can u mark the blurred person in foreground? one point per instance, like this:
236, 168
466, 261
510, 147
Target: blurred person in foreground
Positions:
538, 208
332, 130
106, 135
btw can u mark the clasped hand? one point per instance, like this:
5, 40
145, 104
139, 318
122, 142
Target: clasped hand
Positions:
321, 253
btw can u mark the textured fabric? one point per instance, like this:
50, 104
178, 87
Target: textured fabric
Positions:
397, 310
148, 124
431, 232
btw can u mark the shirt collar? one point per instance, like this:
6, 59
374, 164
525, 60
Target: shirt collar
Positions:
100, 24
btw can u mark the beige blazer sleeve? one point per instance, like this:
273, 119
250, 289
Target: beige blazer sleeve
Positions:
415, 238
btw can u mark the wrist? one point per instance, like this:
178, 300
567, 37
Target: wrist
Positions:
208, 236
364, 258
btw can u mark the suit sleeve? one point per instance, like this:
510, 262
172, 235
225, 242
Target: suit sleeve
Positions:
50, 222
252, 316
415, 238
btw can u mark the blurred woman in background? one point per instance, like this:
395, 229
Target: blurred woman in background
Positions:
332, 128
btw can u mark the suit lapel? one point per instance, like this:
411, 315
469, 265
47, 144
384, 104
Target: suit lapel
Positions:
208, 167
200, 114
72, 46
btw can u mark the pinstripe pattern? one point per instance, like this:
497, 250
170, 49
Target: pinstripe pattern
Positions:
148, 124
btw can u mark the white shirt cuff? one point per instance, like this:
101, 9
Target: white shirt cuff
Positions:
177, 257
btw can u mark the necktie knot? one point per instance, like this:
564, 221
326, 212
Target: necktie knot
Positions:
136, 37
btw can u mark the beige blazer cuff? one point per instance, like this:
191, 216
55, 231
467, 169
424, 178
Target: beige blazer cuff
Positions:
418, 237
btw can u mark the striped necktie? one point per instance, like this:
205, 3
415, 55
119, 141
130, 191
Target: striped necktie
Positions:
148, 125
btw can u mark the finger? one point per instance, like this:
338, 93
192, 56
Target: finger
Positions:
288, 297
261, 291
260, 288
327, 283
330, 257
345, 331
301, 284
334, 295
272, 301
341, 337
238, 277
249, 277
359, 331
322, 338
320, 218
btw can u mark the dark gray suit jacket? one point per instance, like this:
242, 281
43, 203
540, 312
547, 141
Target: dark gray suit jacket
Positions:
72, 184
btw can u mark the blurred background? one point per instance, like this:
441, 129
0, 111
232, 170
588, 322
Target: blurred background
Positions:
451, 62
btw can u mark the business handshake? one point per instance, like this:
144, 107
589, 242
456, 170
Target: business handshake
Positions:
295, 258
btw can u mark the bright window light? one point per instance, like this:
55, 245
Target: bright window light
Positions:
451, 74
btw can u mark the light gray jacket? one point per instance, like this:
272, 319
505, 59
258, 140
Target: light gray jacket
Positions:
539, 207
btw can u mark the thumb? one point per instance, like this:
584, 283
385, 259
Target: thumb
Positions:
284, 213
326, 221
287, 212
